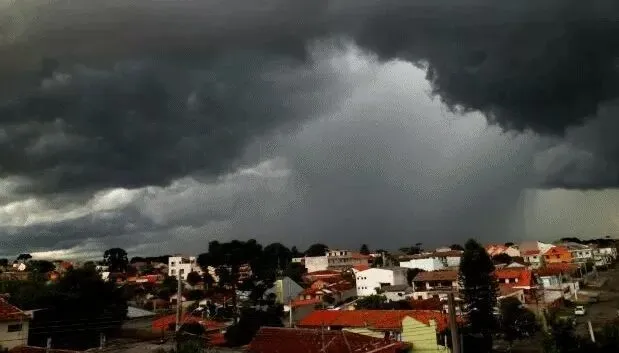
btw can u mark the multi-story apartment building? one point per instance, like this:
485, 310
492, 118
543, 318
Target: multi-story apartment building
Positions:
580, 253
183, 265
335, 260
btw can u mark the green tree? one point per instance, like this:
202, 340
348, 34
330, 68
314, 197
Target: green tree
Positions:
24, 257
208, 280
371, 302
516, 321
89, 265
365, 250
81, 300
250, 322
502, 258
411, 273
227, 259
317, 250
295, 252
41, 266
4, 262
169, 286
116, 259
193, 278
295, 271
456, 247
479, 291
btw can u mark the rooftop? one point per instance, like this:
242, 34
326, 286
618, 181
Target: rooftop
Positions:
10, 312
285, 340
375, 319
436, 276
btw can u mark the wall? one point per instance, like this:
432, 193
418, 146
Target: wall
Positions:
422, 336
285, 289
453, 261
397, 296
182, 264
368, 280
316, 263
8, 339
429, 264
365, 332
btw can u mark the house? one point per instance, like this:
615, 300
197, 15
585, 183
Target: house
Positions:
335, 260
518, 282
181, 265
423, 329
285, 289
498, 249
434, 284
603, 255
285, 340
311, 277
580, 253
423, 262
369, 280
300, 309
557, 254
398, 292
14, 325
533, 257
557, 281
339, 291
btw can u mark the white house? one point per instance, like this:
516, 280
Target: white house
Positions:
434, 261
335, 260
603, 255
398, 292
13, 326
370, 279
434, 284
181, 265
580, 253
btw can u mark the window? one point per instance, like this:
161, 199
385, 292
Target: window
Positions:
14, 328
173, 272
557, 256
172, 264
181, 271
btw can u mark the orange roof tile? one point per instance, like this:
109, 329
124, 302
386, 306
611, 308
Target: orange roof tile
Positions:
523, 274
376, 319
304, 302
285, 340
361, 267
9, 312
446, 275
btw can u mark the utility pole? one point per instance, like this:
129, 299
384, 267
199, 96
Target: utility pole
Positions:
179, 300
591, 333
453, 325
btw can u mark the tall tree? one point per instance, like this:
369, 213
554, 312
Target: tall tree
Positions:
365, 250
24, 257
456, 247
411, 273
316, 250
193, 278
478, 288
4, 262
295, 252
516, 321
227, 259
116, 259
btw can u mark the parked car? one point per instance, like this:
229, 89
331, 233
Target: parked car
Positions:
579, 310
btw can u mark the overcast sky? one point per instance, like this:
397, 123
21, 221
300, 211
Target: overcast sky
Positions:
179, 123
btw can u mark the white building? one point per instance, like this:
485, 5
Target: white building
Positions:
434, 284
181, 265
603, 255
335, 260
434, 261
13, 326
367, 281
424, 263
580, 253
398, 292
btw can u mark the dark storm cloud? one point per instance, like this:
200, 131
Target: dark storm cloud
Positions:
525, 65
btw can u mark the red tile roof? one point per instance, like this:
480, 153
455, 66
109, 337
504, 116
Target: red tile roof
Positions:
523, 274
555, 269
286, 340
375, 319
359, 256
324, 273
9, 312
164, 322
303, 302
361, 267
427, 304
530, 252
436, 276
